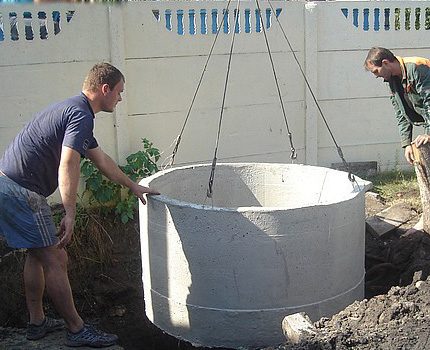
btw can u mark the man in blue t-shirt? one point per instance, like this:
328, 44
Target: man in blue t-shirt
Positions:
45, 155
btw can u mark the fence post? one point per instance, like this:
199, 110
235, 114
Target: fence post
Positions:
117, 57
311, 71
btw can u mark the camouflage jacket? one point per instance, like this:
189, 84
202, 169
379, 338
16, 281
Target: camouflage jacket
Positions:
412, 108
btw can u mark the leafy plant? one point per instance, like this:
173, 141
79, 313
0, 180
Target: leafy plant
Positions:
100, 191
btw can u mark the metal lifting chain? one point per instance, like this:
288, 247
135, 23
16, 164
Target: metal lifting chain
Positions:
293, 150
209, 191
339, 150
178, 140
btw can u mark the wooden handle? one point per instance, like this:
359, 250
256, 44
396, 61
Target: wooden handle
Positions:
417, 154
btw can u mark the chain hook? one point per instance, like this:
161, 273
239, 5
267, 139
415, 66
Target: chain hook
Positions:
209, 190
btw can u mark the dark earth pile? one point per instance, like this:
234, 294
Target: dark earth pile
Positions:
398, 320
105, 272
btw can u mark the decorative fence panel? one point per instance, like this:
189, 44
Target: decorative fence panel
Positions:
170, 66
357, 105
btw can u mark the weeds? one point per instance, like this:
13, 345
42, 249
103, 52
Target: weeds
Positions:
397, 185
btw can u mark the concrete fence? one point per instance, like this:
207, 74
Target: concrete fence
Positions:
162, 47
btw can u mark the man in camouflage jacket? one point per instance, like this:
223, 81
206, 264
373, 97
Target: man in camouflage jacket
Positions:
409, 82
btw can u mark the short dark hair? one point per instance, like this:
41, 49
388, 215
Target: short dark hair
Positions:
100, 74
377, 54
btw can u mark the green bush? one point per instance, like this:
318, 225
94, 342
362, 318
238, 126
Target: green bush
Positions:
109, 196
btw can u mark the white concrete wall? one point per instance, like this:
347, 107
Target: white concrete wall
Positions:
163, 68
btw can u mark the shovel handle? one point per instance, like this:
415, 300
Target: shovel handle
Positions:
417, 154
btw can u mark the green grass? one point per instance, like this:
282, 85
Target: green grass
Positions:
397, 186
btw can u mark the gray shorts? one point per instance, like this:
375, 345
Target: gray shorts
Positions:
25, 217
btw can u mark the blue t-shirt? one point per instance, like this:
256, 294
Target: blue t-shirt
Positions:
33, 158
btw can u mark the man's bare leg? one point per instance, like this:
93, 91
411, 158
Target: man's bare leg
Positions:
34, 282
54, 264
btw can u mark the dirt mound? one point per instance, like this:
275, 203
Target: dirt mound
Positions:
396, 320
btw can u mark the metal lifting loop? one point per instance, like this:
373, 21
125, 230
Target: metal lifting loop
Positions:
211, 179
209, 191
175, 150
350, 176
293, 151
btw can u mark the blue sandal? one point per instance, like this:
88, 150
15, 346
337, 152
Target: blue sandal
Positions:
92, 337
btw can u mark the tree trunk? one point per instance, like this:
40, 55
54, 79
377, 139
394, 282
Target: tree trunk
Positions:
422, 169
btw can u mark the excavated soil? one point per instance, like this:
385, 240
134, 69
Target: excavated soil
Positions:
108, 293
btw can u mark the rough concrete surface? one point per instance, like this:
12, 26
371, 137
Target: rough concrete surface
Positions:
296, 327
264, 231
